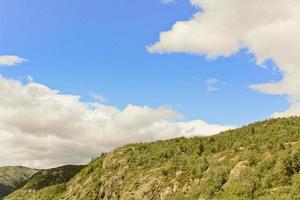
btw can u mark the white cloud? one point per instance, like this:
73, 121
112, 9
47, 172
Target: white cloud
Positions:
212, 89
293, 110
211, 85
40, 127
211, 81
269, 29
167, 1
10, 60
29, 78
97, 97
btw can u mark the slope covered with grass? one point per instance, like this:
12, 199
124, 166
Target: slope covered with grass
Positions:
258, 161
47, 184
13, 177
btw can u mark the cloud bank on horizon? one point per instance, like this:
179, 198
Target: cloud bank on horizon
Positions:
40, 127
269, 29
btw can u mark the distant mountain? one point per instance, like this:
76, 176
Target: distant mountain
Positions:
259, 161
13, 177
46, 180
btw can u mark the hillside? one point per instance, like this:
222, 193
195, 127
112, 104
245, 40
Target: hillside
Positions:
258, 161
13, 177
46, 180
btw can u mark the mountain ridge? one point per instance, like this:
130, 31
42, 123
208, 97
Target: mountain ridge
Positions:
257, 161
12, 177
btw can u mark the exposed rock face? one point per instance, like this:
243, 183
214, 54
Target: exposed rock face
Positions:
236, 172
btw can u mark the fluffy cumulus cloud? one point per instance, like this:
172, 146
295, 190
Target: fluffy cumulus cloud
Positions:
40, 127
269, 29
10, 60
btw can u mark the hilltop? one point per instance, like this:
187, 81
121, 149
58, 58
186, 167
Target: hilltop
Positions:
258, 161
13, 177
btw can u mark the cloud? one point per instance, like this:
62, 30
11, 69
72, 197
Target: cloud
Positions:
293, 110
29, 79
212, 89
40, 127
167, 1
211, 81
11, 60
97, 97
269, 29
211, 85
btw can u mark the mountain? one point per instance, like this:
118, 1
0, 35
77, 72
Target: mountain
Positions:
259, 161
13, 177
48, 180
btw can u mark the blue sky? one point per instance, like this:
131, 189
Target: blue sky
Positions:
138, 66
100, 47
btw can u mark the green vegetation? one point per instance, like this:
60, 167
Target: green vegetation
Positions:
259, 161
13, 177
47, 184
45, 178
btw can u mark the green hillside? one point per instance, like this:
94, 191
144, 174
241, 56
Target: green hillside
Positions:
12, 177
46, 180
258, 161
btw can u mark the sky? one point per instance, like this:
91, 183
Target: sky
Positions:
80, 78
